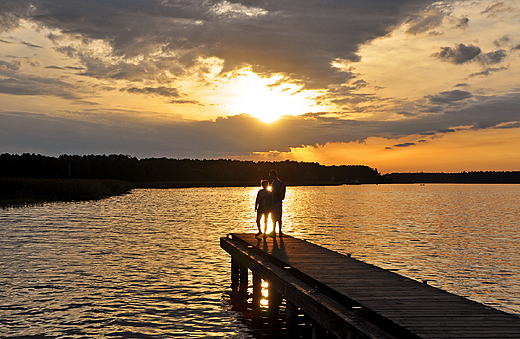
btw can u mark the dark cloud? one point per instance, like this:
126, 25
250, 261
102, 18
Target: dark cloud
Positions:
66, 67
162, 91
153, 45
28, 44
238, 135
501, 41
426, 22
492, 57
296, 38
37, 86
9, 68
449, 97
497, 10
463, 23
406, 144
186, 102
458, 55
15, 83
487, 72
9, 18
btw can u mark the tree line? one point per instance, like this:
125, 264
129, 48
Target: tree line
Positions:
482, 177
166, 172
155, 172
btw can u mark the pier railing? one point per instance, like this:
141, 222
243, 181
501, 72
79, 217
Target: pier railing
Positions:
352, 299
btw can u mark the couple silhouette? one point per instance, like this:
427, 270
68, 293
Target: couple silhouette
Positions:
270, 202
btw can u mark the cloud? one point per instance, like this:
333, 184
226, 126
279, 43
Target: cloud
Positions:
186, 102
126, 133
299, 39
449, 97
28, 44
492, 57
502, 40
38, 86
458, 55
9, 68
234, 10
487, 72
162, 91
425, 22
496, 10
66, 67
463, 22
406, 144
159, 48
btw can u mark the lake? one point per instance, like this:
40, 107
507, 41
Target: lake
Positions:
149, 265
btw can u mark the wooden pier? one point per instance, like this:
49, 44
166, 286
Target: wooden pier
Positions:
353, 299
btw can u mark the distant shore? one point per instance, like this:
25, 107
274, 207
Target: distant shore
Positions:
191, 184
29, 191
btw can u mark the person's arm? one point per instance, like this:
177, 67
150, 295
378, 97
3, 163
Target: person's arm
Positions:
257, 202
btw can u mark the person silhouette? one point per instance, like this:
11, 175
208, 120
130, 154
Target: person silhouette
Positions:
278, 191
263, 205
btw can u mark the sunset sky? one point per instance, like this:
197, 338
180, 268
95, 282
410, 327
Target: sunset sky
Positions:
401, 86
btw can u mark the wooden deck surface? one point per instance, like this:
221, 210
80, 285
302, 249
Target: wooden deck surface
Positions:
384, 296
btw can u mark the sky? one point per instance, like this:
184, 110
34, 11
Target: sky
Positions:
401, 86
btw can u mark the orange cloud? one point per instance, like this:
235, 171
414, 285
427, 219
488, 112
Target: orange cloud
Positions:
464, 150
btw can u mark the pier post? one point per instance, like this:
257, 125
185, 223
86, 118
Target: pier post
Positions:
235, 268
275, 299
257, 293
291, 316
317, 330
244, 279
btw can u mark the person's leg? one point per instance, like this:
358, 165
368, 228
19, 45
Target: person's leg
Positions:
258, 217
277, 213
280, 222
266, 219
280, 219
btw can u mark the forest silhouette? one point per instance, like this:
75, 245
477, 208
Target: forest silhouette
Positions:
166, 172
158, 172
31, 178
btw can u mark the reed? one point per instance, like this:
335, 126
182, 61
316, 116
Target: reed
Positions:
27, 191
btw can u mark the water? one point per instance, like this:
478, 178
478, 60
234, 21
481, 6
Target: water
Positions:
149, 265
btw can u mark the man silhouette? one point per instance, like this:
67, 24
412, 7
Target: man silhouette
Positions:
278, 190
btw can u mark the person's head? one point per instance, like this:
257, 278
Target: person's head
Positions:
264, 183
273, 174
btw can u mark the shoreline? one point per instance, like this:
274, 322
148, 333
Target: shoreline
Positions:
16, 192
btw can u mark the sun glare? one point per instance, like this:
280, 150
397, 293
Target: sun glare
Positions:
269, 99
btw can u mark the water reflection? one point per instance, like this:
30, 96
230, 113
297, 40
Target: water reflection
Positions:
262, 308
146, 264
460, 238
149, 264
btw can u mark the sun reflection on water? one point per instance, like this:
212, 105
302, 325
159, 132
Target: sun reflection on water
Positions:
152, 260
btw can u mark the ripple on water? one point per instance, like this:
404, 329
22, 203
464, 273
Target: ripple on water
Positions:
148, 264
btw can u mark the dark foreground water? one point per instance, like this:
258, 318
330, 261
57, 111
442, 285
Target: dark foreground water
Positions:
149, 265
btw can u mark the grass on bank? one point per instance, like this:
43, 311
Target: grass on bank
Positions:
25, 191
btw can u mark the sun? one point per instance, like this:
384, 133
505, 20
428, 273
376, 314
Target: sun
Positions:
268, 99
268, 106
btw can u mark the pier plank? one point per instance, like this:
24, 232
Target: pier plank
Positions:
388, 299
